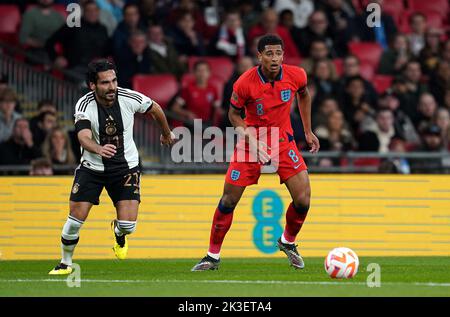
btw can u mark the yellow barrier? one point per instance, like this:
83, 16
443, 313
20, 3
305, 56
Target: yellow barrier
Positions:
374, 215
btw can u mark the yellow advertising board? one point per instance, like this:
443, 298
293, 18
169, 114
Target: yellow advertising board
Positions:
375, 215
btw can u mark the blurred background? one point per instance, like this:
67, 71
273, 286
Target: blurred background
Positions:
381, 95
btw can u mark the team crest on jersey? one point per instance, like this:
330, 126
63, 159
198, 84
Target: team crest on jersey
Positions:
235, 175
75, 188
285, 95
110, 126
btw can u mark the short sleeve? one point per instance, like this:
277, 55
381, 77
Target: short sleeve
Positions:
82, 118
302, 80
238, 97
135, 100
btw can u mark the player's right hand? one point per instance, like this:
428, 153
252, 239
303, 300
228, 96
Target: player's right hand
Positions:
107, 150
261, 150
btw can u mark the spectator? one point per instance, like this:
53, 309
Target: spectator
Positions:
243, 64
19, 148
38, 24
334, 136
351, 68
230, 39
134, 59
113, 7
429, 55
324, 80
378, 137
301, 10
41, 167
269, 24
80, 45
199, 100
186, 39
394, 59
46, 122
413, 88
341, 19
318, 51
325, 108
427, 108
357, 109
440, 81
382, 34
163, 56
403, 125
3, 82
44, 105
57, 148
396, 165
8, 115
318, 29
249, 13
442, 120
445, 53
286, 18
130, 24
418, 26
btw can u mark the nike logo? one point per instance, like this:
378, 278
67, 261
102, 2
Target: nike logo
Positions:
295, 167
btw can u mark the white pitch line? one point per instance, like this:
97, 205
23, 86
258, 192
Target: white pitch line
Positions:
429, 284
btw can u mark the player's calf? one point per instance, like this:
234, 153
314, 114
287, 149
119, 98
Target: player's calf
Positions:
121, 228
69, 240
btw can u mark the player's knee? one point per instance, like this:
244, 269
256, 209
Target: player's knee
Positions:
125, 226
301, 206
227, 204
71, 229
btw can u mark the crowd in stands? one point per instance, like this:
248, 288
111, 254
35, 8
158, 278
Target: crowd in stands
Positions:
374, 89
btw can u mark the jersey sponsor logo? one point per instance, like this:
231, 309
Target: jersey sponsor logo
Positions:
235, 174
285, 95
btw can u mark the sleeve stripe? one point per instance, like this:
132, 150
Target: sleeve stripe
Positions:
83, 104
131, 97
124, 92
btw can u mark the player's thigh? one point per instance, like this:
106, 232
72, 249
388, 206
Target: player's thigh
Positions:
125, 187
127, 210
86, 189
80, 210
231, 194
300, 189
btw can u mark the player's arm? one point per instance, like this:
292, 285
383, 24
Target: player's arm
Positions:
86, 141
304, 105
156, 112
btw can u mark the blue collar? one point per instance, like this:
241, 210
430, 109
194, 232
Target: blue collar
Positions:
263, 78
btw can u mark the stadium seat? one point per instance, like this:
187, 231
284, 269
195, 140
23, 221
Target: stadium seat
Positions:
382, 83
367, 52
366, 161
367, 71
216, 81
438, 6
222, 67
161, 88
9, 23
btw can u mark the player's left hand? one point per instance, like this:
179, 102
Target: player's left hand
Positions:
313, 142
168, 140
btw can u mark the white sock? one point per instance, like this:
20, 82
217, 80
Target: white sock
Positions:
69, 233
215, 256
124, 227
283, 240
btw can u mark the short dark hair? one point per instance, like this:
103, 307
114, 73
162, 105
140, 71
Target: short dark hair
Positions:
45, 102
97, 66
269, 39
42, 115
201, 62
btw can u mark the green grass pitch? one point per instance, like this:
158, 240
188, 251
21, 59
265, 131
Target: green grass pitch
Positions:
400, 276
